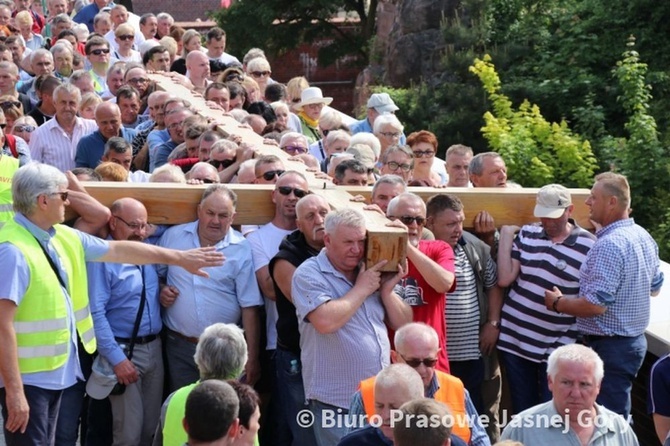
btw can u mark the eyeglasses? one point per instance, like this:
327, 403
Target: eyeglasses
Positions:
63, 195
394, 166
100, 51
294, 149
423, 153
260, 73
408, 219
414, 362
126, 37
271, 174
223, 163
175, 125
9, 104
24, 128
286, 190
132, 226
390, 134
234, 77
138, 80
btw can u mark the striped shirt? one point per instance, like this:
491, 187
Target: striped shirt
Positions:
619, 273
528, 329
334, 363
462, 311
51, 144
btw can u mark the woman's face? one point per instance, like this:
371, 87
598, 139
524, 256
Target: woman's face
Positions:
87, 112
254, 95
313, 111
388, 136
23, 130
424, 153
193, 44
282, 116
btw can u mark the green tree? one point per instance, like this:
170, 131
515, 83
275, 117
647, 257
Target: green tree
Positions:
280, 25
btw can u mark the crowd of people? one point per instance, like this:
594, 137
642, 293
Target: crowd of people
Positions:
117, 331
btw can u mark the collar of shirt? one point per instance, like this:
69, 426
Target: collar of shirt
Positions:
612, 226
37, 232
433, 387
232, 237
572, 238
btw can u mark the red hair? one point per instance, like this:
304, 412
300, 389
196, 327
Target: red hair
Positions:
422, 136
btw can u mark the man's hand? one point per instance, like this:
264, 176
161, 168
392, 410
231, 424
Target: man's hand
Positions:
168, 295
509, 230
374, 207
550, 297
484, 225
370, 279
126, 372
18, 411
488, 338
390, 280
195, 259
252, 371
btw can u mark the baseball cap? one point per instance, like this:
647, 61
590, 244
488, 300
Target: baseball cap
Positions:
382, 102
552, 200
102, 379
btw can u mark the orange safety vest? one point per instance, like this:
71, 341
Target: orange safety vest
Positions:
451, 393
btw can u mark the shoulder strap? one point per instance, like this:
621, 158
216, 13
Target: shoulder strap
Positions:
138, 318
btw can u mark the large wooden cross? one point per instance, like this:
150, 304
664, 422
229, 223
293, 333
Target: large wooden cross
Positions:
170, 203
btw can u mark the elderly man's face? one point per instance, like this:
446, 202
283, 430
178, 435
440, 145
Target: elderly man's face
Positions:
149, 28
295, 145
204, 150
42, 64
6, 56
63, 62
413, 215
129, 223
17, 50
67, 105
221, 159
54, 210
458, 167
22, 5
387, 399
386, 192
352, 178
5, 16
574, 388
175, 125
398, 163
119, 16
115, 81
85, 85
494, 173
57, 7
130, 108
108, 119
215, 215
268, 173
346, 247
157, 109
310, 219
447, 226
122, 159
137, 77
7, 79
163, 27
205, 174
420, 354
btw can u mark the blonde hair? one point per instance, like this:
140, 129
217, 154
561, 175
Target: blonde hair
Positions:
23, 18
89, 99
295, 86
124, 28
170, 44
188, 35
12, 112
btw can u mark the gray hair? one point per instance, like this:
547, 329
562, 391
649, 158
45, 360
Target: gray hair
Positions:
258, 63
40, 52
205, 169
116, 144
330, 119
576, 354
398, 148
61, 18
337, 135
252, 54
409, 196
477, 162
60, 47
387, 119
292, 135
165, 16
171, 171
458, 149
78, 75
348, 217
221, 146
67, 88
221, 352
31, 181
389, 179
368, 139
222, 189
415, 330
401, 375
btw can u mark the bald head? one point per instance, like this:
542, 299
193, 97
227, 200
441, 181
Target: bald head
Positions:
197, 64
309, 201
129, 220
108, 118
204, 172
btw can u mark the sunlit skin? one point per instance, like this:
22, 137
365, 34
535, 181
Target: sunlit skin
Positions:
260, 170
108, 118
313, 111
387, 400
99, 61
215, 215
215, 48
156, 104
386, 192
174, 123
149, 28
399, 158
137, 77
221, 96
56, 206
163, 27
247, 436
574, 389
352, 178
132, 214
457, 167
345, 247
447, 225
130, 108
410, 208
282, 116
311, 215
66, 108
17, 50
7, 81
418, 347
160, 62
599, 203
42, 64
63, 62
494, 174
115, 81
285, 204
388, 141
204, 149
193, 44
122, 159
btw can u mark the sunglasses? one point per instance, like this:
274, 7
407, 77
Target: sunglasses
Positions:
271, 174
234, 77
414, 363
407, 220
63, 195
286, 190
224, 163
100, 51
10, 104
3, 125
24, 128
126, 37
394, 166
294, 149
423, 153
260, 73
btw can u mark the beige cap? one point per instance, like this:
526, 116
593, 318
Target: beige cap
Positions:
552, 200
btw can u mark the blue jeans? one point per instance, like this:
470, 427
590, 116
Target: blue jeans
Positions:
71, 409
41, 430
472, 375
527, 381
290, 396
327, 436
623, 358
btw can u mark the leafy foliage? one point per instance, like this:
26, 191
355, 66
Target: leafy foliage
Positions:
536, 152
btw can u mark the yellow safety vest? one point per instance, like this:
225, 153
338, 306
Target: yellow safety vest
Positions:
8, 167
41, 320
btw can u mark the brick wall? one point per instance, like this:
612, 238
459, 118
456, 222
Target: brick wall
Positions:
181, 10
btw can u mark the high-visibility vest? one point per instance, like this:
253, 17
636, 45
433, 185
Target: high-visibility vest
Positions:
41, 320
8, 167
173, 429
451, 393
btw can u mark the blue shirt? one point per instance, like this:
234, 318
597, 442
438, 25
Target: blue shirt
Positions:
115, 291
620, 271
373, 436
162, 153
364, 126
154, 139
88, 13
91, 147
219, 298
15, 282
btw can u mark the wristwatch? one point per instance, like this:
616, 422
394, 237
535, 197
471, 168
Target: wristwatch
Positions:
496, 324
